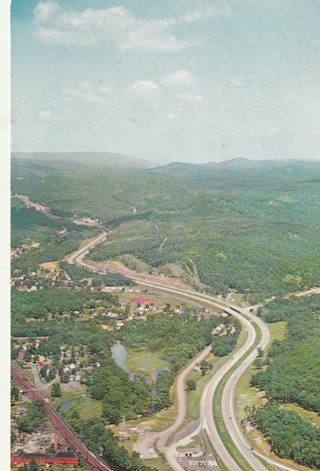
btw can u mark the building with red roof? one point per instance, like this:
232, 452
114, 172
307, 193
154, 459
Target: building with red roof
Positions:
143, 300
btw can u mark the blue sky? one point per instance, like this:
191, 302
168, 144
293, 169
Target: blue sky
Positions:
187, 80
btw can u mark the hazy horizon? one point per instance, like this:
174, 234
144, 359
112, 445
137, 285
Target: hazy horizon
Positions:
47, 154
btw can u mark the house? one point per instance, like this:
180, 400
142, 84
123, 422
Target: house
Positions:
21, 354
45, 459
190, 452
141, 318
218, 329
143, 300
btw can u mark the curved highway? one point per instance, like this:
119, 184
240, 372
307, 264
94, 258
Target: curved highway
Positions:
77, 256
247, 353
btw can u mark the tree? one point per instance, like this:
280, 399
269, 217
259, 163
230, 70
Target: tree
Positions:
56, 390
258, 363
15, 392
13, 436
191, 385
260, 352
33, 417
32, 467
204, 366
27, 356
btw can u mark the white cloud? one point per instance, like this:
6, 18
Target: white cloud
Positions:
85, 86
145, 88
45, 115
270, 131
115, 24
44, 10
105, 89
205, 13
52, 35
189, 99
243, 80
86, 91
181, 77
171, 116
148, 43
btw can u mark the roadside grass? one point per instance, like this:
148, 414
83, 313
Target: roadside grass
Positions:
195, 442
159, 463
278, 331
269, 466
217, 410
141, 359
238, 298
193, 397
245, 396
314, 417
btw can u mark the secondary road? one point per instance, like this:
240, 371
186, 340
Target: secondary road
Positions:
247, 353
206, 416
145, 445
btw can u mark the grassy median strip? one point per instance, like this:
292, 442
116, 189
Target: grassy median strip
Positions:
217, 411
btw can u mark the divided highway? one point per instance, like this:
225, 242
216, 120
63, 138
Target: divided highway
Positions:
240, 361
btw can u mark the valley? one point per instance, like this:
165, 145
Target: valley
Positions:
162, 280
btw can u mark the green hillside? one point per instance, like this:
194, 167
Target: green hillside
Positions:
241, 225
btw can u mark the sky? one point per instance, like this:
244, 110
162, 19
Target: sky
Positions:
167, 80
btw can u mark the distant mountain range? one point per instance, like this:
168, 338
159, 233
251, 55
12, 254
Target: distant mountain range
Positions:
236, 164
110, 160
103, 159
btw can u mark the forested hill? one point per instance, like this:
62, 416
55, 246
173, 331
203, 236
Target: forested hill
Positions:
102, 159
246, 226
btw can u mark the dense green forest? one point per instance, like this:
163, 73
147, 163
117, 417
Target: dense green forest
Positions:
291, 375
250, 229
293, 368
253, 229
289, 434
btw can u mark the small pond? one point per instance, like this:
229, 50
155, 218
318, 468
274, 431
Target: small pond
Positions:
64, 405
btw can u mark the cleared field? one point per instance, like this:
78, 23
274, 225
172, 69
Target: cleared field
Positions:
144, 360
88, 408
